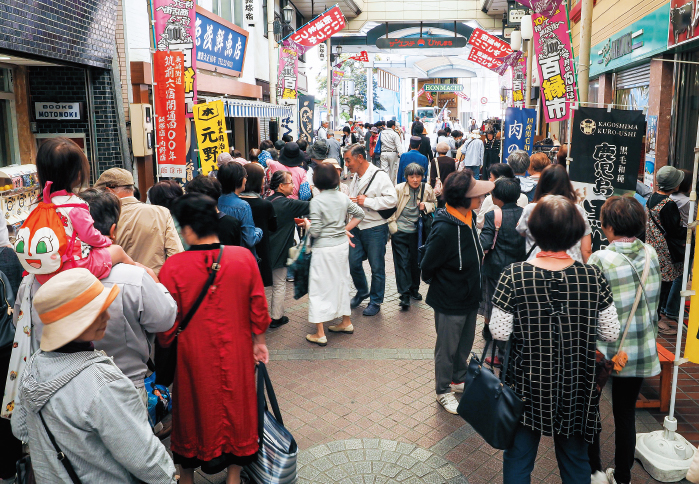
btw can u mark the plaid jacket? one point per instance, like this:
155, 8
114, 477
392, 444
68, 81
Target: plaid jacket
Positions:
640, 340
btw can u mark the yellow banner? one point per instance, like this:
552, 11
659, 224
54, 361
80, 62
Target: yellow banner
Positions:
211, 134
691, 349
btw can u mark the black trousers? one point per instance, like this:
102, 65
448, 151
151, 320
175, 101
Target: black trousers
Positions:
665, 287
624, 395
11, 447
404, 246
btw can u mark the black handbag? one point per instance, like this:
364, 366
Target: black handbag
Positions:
166, 358
7, 303
491, 407
25, 472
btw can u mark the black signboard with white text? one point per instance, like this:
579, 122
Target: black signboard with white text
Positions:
306, 106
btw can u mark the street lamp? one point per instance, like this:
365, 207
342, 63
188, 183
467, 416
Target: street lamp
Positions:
288, 13
339, 50
516, 40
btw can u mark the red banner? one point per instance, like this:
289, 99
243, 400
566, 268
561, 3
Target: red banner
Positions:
463, 96
168, 68
429, 96
363, 56
484, 59
489, 44
320, 28
419, 93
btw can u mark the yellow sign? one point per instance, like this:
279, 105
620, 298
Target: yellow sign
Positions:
691, 349
211, 134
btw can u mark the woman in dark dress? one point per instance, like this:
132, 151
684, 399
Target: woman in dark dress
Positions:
491, 155
263, 216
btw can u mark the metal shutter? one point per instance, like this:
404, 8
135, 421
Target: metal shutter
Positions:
634, 77
264, 129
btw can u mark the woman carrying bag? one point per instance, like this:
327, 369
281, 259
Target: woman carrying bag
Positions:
554, 309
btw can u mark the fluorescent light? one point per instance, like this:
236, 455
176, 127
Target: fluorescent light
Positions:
4, 58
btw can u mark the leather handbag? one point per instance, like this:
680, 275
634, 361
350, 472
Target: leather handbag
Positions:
438, 187
278, 453
166, 358
491, 407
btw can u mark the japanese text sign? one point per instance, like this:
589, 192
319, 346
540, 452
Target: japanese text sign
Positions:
520, 125
484, 59
211, 134
420, 42
429, 97
306, 108
691, 350
555, 61
250, 12
489, 44
363, 56
519, 76
320, 28
463, 96
288, 73
606, 155
174, 31
419, 93
169, 109
220, 44
545, 7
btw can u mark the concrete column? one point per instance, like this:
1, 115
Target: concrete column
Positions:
370, 93
584, 58
415, 91
605, 91
660, 104
271, 45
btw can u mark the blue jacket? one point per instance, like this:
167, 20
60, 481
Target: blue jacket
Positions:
412, 156
231, 204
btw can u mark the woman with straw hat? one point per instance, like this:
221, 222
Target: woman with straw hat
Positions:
75, 401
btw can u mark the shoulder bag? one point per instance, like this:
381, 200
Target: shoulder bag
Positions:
438, 188
60, 455
491, 407
301, 267
166, 358
497, 214
424, 223
386, 212
675, 250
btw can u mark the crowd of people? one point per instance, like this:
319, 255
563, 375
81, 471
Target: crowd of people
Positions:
507, 241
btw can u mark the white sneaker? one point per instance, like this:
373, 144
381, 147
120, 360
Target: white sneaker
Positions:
449, 402
599, 477
610, 476
458, 388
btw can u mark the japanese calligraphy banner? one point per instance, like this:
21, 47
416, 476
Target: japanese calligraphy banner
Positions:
221, 45
520, 125
484, 59
519, 77
545, 7
212, 138
555, 60
306, 109
174, 31
169, 109
606, 154
489, 44
320, 28
288, 73
290, 124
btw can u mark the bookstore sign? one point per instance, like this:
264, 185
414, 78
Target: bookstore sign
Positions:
49, 111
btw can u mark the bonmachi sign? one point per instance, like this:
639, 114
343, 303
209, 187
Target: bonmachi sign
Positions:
443, 87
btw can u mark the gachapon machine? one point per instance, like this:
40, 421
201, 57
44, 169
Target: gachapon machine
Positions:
19, 191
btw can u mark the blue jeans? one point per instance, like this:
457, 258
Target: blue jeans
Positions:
476, 171
369, 244
672, 306
571, 454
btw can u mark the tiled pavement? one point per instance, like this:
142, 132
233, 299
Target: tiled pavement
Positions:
363, 409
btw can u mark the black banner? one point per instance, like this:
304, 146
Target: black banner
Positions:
306, 105
606, 149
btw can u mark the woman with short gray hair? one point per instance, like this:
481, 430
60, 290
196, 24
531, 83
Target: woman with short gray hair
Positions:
414, 198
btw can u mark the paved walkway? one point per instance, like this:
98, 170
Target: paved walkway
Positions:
363, 408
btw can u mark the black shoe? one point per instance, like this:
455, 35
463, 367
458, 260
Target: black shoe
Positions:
416, 295
371, 310
279, 322
357, 300
405, 302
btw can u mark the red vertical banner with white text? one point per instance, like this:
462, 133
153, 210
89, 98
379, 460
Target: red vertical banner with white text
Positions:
170, 113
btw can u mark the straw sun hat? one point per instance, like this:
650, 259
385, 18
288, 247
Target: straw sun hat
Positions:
68, 304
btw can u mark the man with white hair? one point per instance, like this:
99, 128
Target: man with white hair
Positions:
471, 154
323, 130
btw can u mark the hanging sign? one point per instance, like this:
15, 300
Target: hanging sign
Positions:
420, 42
250, 13
419, 93
306, 111
463, 96
212, 139
489, 44
322, 52
555, 61
290, 124
175, 31
320, 28
519, 76
168, 93
288, 73
443, 87
363, 56
545, 7
606, 155
508, 61
221, 45
484, 59
520, 125
691, 349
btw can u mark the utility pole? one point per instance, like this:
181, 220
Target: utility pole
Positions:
272, 44
530, 58
585, 41
370, 93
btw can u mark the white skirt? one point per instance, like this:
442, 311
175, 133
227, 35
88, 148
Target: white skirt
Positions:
329, 284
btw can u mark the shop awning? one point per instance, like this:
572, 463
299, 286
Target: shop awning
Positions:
241, 108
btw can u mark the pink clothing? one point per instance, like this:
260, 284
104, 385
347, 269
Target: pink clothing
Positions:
90, 248
298, 175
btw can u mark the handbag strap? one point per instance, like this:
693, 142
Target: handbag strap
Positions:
59, 453
639, 291
659, 207
436, 164
366, 189
264, 382
506, 359
215, 267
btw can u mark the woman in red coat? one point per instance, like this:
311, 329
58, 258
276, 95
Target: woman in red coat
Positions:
214, 423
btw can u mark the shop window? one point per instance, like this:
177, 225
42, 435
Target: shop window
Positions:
264, 17
592, 90
238, 13
633, 98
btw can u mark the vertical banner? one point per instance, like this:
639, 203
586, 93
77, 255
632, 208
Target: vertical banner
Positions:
691, 349
519, 76
306, 110
212, 139
606, 152
290, 124
651, 139
520, 125
288, 73
250, 13
175, 31
168, 94
429, 97
555, 60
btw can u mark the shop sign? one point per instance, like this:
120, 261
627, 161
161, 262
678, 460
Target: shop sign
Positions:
306, 111
250, 12
515, 12
51, 111
322, 52
420, 42
691, 350
545, 7
490, 44
606, 155
683, 25
520, 124
519, 76
290, 124
288, 73
212, 139
168, 93
484, 59
174, 31
555, 63
443, 87
320, 28
221, 45
363, 56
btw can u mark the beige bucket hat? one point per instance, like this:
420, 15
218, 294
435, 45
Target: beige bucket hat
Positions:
68, 304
